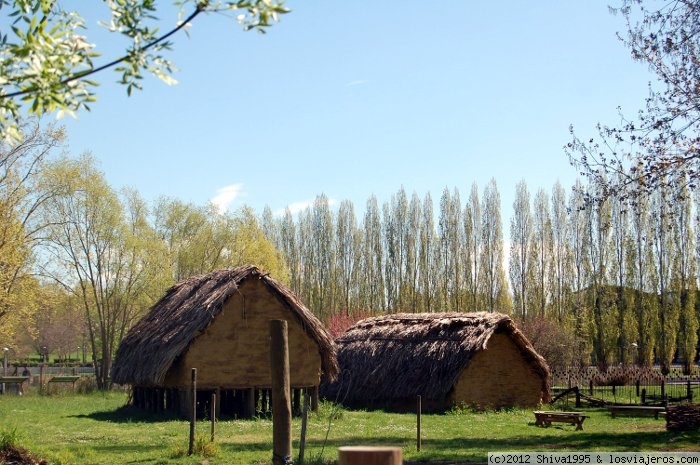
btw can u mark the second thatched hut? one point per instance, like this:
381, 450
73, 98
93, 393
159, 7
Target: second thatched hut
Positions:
474, 359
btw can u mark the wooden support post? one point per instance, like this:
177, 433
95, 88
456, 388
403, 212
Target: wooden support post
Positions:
183, 403
281, 405
590, 387
250, 403
689, 391
193, 410
365, 455
304, 419
644, 395
418, 415
296, 402
663, 388
314, 398
212, 414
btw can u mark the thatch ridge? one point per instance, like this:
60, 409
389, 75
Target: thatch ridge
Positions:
152, 345
403, 355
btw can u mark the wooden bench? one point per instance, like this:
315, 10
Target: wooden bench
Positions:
635, 410
572, 418
17, 380
65, 379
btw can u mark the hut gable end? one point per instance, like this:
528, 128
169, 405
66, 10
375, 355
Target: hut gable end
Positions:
188, 309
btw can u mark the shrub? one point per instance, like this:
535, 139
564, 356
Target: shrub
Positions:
551, 340
339, 323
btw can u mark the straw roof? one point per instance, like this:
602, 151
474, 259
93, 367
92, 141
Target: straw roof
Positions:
149, 349
401, 356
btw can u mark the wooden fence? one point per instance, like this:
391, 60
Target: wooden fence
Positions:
629, 384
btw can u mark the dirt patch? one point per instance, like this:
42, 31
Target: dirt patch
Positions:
12, 455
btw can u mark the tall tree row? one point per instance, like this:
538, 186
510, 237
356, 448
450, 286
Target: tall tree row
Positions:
618, 276
405, 255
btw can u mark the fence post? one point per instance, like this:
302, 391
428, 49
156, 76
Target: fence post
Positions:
590, 387
689, 390
418, 435
578, 397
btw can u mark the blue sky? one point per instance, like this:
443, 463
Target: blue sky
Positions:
352, 99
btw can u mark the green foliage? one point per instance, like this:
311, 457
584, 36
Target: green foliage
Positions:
329, 411
202, 447
47, 64
9, 438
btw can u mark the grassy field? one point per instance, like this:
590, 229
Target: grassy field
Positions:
96, 429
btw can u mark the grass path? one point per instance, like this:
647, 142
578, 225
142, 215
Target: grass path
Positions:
96, 429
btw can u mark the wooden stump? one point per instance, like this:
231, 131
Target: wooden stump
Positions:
366, 455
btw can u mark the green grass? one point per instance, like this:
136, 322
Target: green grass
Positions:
96, 429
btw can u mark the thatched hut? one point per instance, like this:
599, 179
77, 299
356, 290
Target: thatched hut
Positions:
475, 359
219, 324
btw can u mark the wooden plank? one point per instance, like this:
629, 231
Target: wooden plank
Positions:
13, 379
635, 410
64, 379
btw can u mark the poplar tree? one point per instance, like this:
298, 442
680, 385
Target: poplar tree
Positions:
413, 262
580, 239
450, 249
602, 299
373, 259
346, 251
620, 250
662, 221
289, 247
495, 285
429, 257
685, 278
520, 259
542, 255
473, 251
322, 269
643, 280
562, 301
307, 258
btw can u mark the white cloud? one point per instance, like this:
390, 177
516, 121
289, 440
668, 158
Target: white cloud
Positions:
225, 197
359, 82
